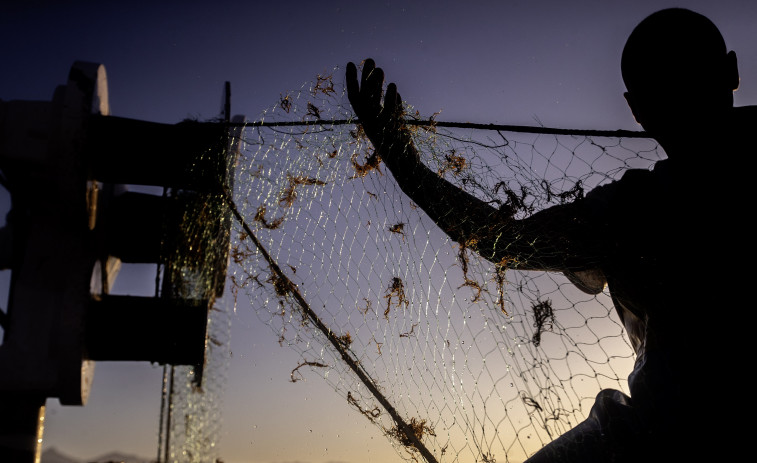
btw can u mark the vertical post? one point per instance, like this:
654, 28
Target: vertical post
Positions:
161, 421
227, 102
21, 429
169, 416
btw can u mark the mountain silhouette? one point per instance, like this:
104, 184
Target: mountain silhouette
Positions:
53, 455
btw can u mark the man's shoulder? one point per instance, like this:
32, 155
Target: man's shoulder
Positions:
633, 187
744, 117
745, 111
630, 180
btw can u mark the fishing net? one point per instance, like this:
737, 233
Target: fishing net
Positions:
194, 268
453, 357
190, 419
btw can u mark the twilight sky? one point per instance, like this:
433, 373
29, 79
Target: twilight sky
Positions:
508, 62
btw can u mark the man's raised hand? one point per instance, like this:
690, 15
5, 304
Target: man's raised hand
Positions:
381, 123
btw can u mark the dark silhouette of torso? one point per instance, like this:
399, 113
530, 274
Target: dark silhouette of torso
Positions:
679, 245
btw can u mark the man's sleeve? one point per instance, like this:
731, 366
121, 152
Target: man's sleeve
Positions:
593, 211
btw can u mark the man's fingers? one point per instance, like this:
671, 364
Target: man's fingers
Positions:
353, 91
368, 66
392, 100
373, 87
366, 98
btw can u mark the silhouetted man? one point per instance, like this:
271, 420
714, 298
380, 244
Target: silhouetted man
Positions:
672, 244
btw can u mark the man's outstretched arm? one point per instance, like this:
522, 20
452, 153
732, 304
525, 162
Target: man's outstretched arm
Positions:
540, 242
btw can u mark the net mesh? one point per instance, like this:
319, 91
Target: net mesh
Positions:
453, 357
191, 422
194, 268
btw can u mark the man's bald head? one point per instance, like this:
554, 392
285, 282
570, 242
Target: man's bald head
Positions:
677, 71
668, 41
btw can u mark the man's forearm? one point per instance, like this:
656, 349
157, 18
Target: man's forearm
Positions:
465, 218
540, 242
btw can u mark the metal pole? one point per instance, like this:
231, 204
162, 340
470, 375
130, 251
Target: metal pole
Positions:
162, 431
22, 422
169, 417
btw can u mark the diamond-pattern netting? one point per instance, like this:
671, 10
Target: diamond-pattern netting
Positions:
479, 361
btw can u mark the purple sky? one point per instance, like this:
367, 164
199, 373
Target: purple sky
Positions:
509, 62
